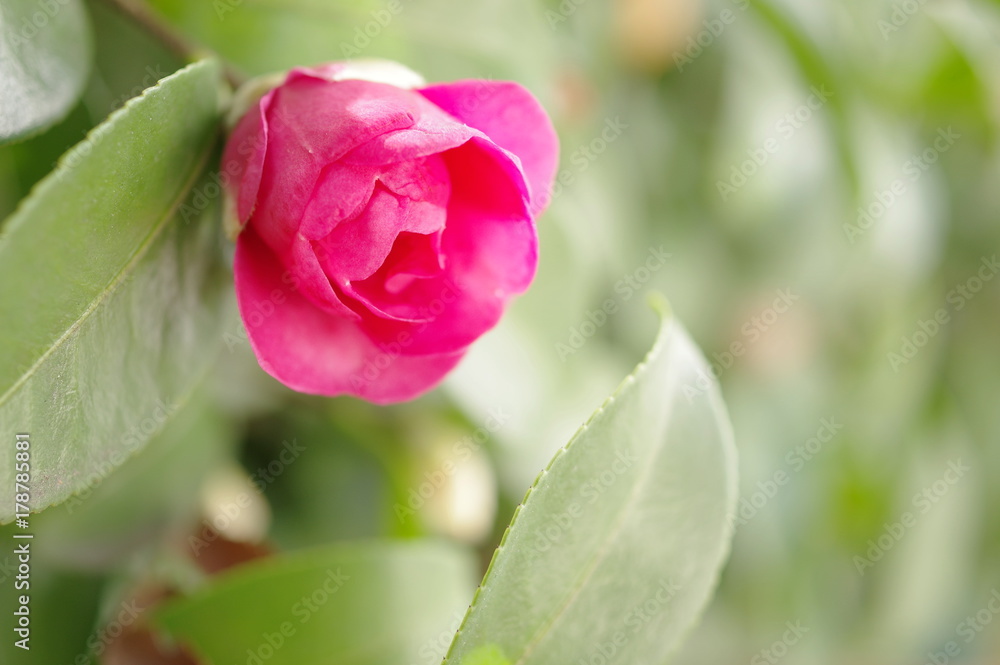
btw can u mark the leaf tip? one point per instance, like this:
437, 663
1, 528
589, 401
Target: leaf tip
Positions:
660, 304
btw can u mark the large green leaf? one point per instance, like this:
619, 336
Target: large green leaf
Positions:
618, 545
109, 300
45, 53
358, 604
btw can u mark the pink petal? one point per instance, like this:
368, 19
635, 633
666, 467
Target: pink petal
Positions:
413, 143
490, 239
306, 274
490, 248
354, 249
413, 256
341, 193
331, 119
312, 351
513, 119
243, 158
404, 285
312, 123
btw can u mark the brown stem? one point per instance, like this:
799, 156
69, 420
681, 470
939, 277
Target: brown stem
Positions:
141, 15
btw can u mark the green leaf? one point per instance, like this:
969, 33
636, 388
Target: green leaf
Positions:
156, 492
440, 39
45, 54
110, 301
618, 545
68, 600
489, 654
818, 71
359, 604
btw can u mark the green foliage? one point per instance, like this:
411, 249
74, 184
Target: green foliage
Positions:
127, 297
618, 545
45, 52
263, 36
370, 604
79, 547
112, 306
489, 654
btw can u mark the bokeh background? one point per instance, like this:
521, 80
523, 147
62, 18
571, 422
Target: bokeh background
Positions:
825, 180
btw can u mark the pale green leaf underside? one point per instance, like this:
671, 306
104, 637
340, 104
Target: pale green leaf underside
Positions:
617, 547
45, 54
109, 302
357, 604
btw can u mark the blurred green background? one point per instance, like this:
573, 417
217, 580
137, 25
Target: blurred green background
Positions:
824, 177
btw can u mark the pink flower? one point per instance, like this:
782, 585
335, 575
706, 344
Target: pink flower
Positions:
383, 228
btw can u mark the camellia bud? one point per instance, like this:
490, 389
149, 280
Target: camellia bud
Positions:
382, 225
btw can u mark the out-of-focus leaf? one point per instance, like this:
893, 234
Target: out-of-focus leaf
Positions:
45, 54
61, 609
110, 300
156, 492
816, 69
338, 473
365, 604
262, 36
619, 543
125, 62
